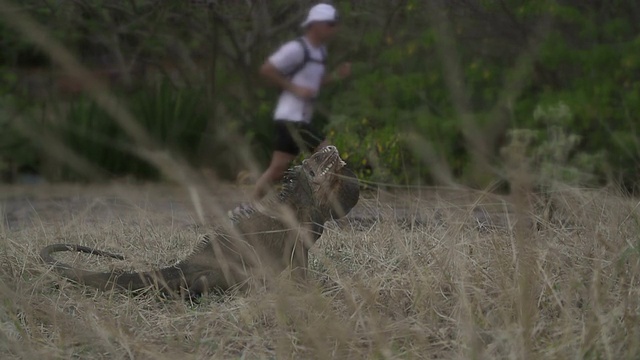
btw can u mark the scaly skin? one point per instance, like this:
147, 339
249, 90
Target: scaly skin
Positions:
268, 238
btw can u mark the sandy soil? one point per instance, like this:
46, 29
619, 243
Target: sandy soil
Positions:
22, 205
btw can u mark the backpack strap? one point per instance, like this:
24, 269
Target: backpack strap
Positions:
306, 58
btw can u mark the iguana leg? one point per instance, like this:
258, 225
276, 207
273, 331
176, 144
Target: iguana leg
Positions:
299, 263
244, 210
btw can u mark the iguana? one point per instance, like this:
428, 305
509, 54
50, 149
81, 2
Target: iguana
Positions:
271, 236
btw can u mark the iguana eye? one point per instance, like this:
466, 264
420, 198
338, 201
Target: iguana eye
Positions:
313, 174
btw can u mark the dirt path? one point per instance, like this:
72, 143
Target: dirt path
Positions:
28, 205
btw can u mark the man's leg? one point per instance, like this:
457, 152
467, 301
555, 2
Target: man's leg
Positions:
279, 164
312, 139
289, 140
284, 153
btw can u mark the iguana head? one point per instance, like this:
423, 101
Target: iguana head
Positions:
333, 189
319, 167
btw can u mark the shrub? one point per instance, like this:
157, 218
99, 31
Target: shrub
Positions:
174, 117
554, 153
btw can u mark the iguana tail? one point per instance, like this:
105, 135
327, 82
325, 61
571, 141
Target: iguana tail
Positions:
109, 280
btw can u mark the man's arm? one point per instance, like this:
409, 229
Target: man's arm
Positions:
342, 72
273, 75
328, 78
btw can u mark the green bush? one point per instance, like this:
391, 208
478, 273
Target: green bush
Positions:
16, 150
175, 118
375, 154
589, 61
588, 66
552, 152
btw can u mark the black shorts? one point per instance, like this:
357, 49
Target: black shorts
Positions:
291, 136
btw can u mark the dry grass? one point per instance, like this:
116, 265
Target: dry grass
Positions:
437, 287
443, 284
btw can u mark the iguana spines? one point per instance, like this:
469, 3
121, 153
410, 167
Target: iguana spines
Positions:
337, 194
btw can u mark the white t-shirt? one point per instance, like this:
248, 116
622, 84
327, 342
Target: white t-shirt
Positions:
288, 58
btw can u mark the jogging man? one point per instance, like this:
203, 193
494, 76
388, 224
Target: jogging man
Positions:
298, 69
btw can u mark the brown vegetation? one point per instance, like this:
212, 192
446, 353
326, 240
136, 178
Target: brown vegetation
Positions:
443, 283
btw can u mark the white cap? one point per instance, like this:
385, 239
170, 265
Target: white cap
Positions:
321, 12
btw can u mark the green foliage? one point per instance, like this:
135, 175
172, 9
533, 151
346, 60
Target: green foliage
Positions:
588, 66
553, 152
91, 132
15, 148
174, 117
588, 60
594, 80
374, 153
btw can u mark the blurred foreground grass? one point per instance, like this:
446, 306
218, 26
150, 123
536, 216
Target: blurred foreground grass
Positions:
447, 283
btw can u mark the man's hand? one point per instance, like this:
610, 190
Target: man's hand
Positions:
343, 70
302, 92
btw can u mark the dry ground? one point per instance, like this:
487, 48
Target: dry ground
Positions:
422, 274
